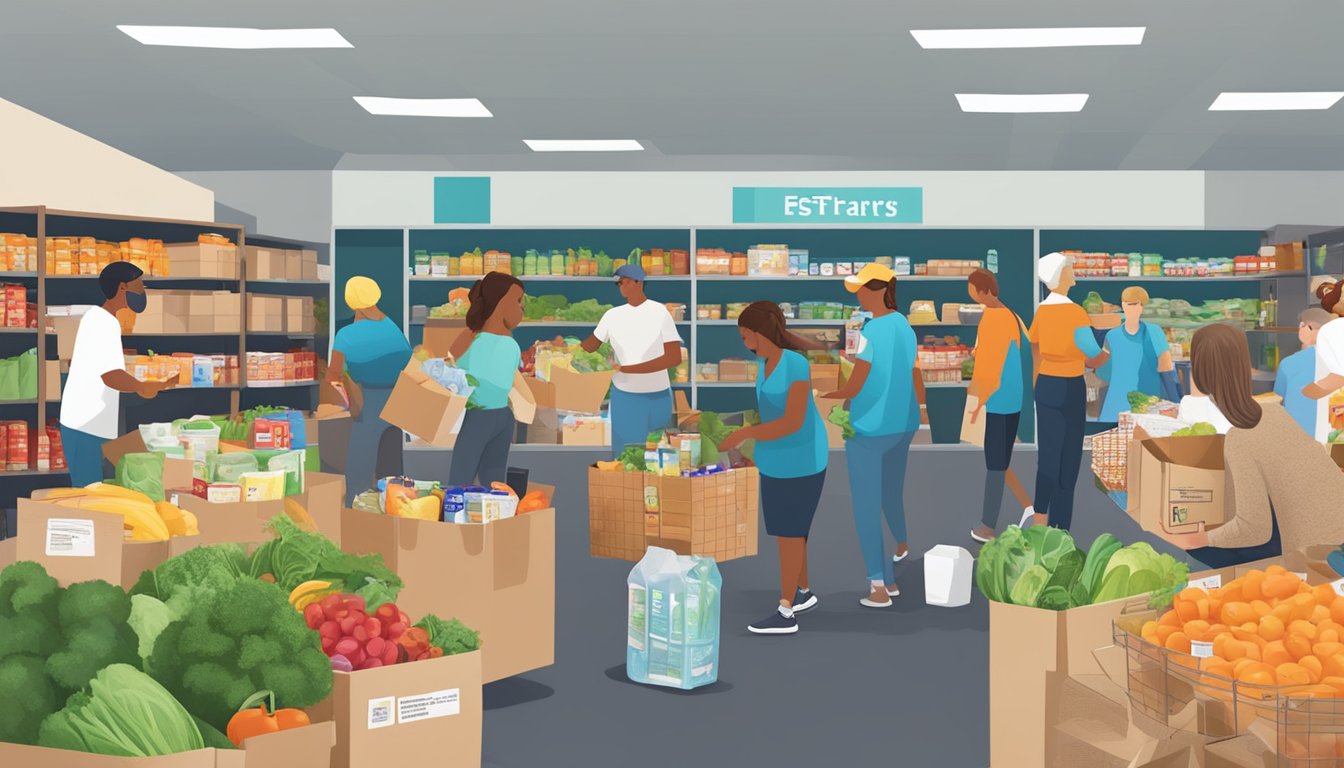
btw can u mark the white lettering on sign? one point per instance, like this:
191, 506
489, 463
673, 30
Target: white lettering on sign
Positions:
382, 712
69, 538
804, 206
1200, 649
1208, 582
426, 706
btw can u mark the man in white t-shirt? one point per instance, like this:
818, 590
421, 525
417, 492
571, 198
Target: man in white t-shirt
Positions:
90, 404
646, 344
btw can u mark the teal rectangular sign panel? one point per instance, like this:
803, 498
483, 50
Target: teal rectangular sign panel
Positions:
462, 200
828, 205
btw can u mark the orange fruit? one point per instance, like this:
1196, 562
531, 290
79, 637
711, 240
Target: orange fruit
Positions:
1231, 592
1257, 674
1149, 632
1292, 674
1334, 665
1164, 631
1236, 614
1271, 628
1297, 645
1313, 666
1250, 587
1284, 612
1186, 610
1253, 651
1304, 628
1277, 587
1275, 654
1241, 664
1335, 682
1275, 570
1190, 594
1196, 629
1178, 641
1326, 635
1170, 619
1326, 650
1337, 610
1319, 614
1303, 605
1219, 629
1228, 648
1325, 594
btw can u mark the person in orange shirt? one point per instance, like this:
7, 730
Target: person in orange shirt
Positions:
1063, 347
999, 388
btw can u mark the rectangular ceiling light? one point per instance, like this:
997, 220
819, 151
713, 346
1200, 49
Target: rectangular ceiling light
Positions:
1057, 37
379, 105
1271, 101
999, 102
583, 145
236, 38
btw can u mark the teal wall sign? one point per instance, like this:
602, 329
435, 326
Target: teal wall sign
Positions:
828, 205
462, 200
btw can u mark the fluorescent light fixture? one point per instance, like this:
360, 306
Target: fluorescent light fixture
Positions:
1272, 101
1001, 102
237, 38
379, 105
583, 145
1056, 37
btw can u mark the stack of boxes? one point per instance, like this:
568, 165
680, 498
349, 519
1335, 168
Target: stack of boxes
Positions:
299, 315
265, 314
18, 312
940, 361
192, 370
171, 312
18, 253
280, 264
273, 369
212, 258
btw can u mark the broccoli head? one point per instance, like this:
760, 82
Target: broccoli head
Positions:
24, 586
214, 567
246, 639
29, 698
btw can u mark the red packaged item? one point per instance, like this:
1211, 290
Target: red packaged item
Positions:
270, 435
4, 445
57, 450
40, 457
16, 440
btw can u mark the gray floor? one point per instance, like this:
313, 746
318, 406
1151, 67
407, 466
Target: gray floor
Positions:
904, 686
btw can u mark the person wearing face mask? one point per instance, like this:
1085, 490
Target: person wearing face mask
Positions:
791, 453
91, 401
372, 351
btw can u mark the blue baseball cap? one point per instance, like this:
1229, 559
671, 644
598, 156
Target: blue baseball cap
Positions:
632, 271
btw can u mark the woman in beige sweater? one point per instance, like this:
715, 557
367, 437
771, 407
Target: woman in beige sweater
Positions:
1276, 473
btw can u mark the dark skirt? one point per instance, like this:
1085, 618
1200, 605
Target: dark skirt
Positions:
790, 503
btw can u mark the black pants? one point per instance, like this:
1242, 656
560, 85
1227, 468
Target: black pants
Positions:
1215, 557
1000, 435
1061, 419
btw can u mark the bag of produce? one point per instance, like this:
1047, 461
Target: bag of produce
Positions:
263, 486
27, 373
9, 379
142, 472
672, 626
229, 467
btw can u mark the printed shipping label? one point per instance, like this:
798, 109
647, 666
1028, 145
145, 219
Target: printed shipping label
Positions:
69, 538
382, 712
1209, 582
1201, 650
427, 706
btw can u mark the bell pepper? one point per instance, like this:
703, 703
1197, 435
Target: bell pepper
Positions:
253, 718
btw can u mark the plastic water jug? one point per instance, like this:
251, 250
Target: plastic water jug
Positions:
948, 573
672, 628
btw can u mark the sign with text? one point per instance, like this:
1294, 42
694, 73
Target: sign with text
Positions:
828, 205
462, 200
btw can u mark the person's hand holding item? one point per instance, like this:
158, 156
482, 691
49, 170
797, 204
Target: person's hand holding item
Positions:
1188, 541
149, 389
735, 438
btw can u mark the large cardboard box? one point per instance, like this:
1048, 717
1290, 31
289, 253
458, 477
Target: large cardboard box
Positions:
589, 432
227, 308
1176, 483
293, 265
439, 335
52, 392
712, 516
66, 328
266, 313
245, 521
425, 409
497, 578
423, 712
78, 545
309, 265
299, 314
308, 747
570, 391
264, 263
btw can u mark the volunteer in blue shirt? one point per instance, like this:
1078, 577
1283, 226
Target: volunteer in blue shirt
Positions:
791, 453
1139, 356
373, 351
886, 394
1298, 370
489, 353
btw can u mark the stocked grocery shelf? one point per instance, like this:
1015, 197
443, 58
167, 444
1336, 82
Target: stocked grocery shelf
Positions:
6, 275
19, 331
280, 384
281, 334
197, 334
1208, 279
547, 278
821, 278
555, 323
252, 281
154, 279
34, 472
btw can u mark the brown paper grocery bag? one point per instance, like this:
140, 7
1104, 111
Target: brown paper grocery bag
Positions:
973, 433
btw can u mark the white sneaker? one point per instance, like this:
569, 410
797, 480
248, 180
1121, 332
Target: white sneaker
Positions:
899, 558
1028, 518
880, 597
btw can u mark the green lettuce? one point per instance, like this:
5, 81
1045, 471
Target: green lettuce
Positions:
1138, 569
1029, 585
125, 713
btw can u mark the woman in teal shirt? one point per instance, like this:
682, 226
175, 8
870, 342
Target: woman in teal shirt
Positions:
886, 394
373, 351
791, 453
481, 453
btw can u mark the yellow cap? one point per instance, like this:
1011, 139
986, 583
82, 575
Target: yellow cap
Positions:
362, 293
870, 272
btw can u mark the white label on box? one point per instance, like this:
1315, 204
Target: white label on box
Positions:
1208, 582
1201, 650
427, 706
1339, 587
69, 538
382, 712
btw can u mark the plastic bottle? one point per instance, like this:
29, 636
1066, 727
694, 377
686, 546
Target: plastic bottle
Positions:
992, 261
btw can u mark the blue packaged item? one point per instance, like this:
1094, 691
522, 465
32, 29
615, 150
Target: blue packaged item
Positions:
672, 620
454, 505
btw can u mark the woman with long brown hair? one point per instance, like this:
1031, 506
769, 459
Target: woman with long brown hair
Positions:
487, 352
1278, 478
791, 454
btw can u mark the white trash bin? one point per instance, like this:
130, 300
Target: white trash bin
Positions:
948, 574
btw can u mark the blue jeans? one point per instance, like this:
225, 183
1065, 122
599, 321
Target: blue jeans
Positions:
877, 488
1061, 420
371, 439
83, 456
635, 414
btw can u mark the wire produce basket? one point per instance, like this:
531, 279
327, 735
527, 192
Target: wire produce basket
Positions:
1110, 458
1173, 689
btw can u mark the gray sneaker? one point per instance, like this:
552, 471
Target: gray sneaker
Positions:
803, 601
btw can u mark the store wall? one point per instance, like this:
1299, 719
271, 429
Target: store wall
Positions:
45, 163
290, 204
1262, 199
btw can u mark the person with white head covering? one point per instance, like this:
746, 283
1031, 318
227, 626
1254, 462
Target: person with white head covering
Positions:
1063, 346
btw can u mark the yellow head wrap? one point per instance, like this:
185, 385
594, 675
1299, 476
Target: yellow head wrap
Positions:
362, 293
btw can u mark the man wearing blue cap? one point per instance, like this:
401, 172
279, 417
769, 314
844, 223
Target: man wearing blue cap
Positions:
646, 344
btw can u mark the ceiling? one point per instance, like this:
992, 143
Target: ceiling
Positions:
740, 85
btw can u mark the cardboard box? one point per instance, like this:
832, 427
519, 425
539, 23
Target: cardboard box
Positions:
570, 391
423, 712
201, 324
503, 577
245, 521
422, 408
66, 328
590, 431
78, 545
309, 265
266, 313
545, 428
1176, 482
826, 377
439, 335
299, 314
307, 747
264, 263
293, 265
713, 516
52, 391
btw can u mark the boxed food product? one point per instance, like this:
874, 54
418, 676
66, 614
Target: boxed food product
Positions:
266, 313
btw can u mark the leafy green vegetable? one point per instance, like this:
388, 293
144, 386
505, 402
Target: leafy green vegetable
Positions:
1001, 562
452, 636
125, 713
1050, 545
149, 617
142, 472
1027, 589
1137, 569
1200, 429
839, 416
247, 638
1098, 556
212, 736
1054, 598
633, 458
1141, 403
296, 556
210, 568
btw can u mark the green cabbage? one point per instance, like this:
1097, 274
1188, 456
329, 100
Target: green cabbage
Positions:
124, 713
1138, 569
1001, 562
1029, 585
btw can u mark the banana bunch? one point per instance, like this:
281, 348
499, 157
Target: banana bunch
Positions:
310, 592
143, 519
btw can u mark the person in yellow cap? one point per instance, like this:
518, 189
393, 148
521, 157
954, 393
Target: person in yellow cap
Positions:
886, 394
372, 350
